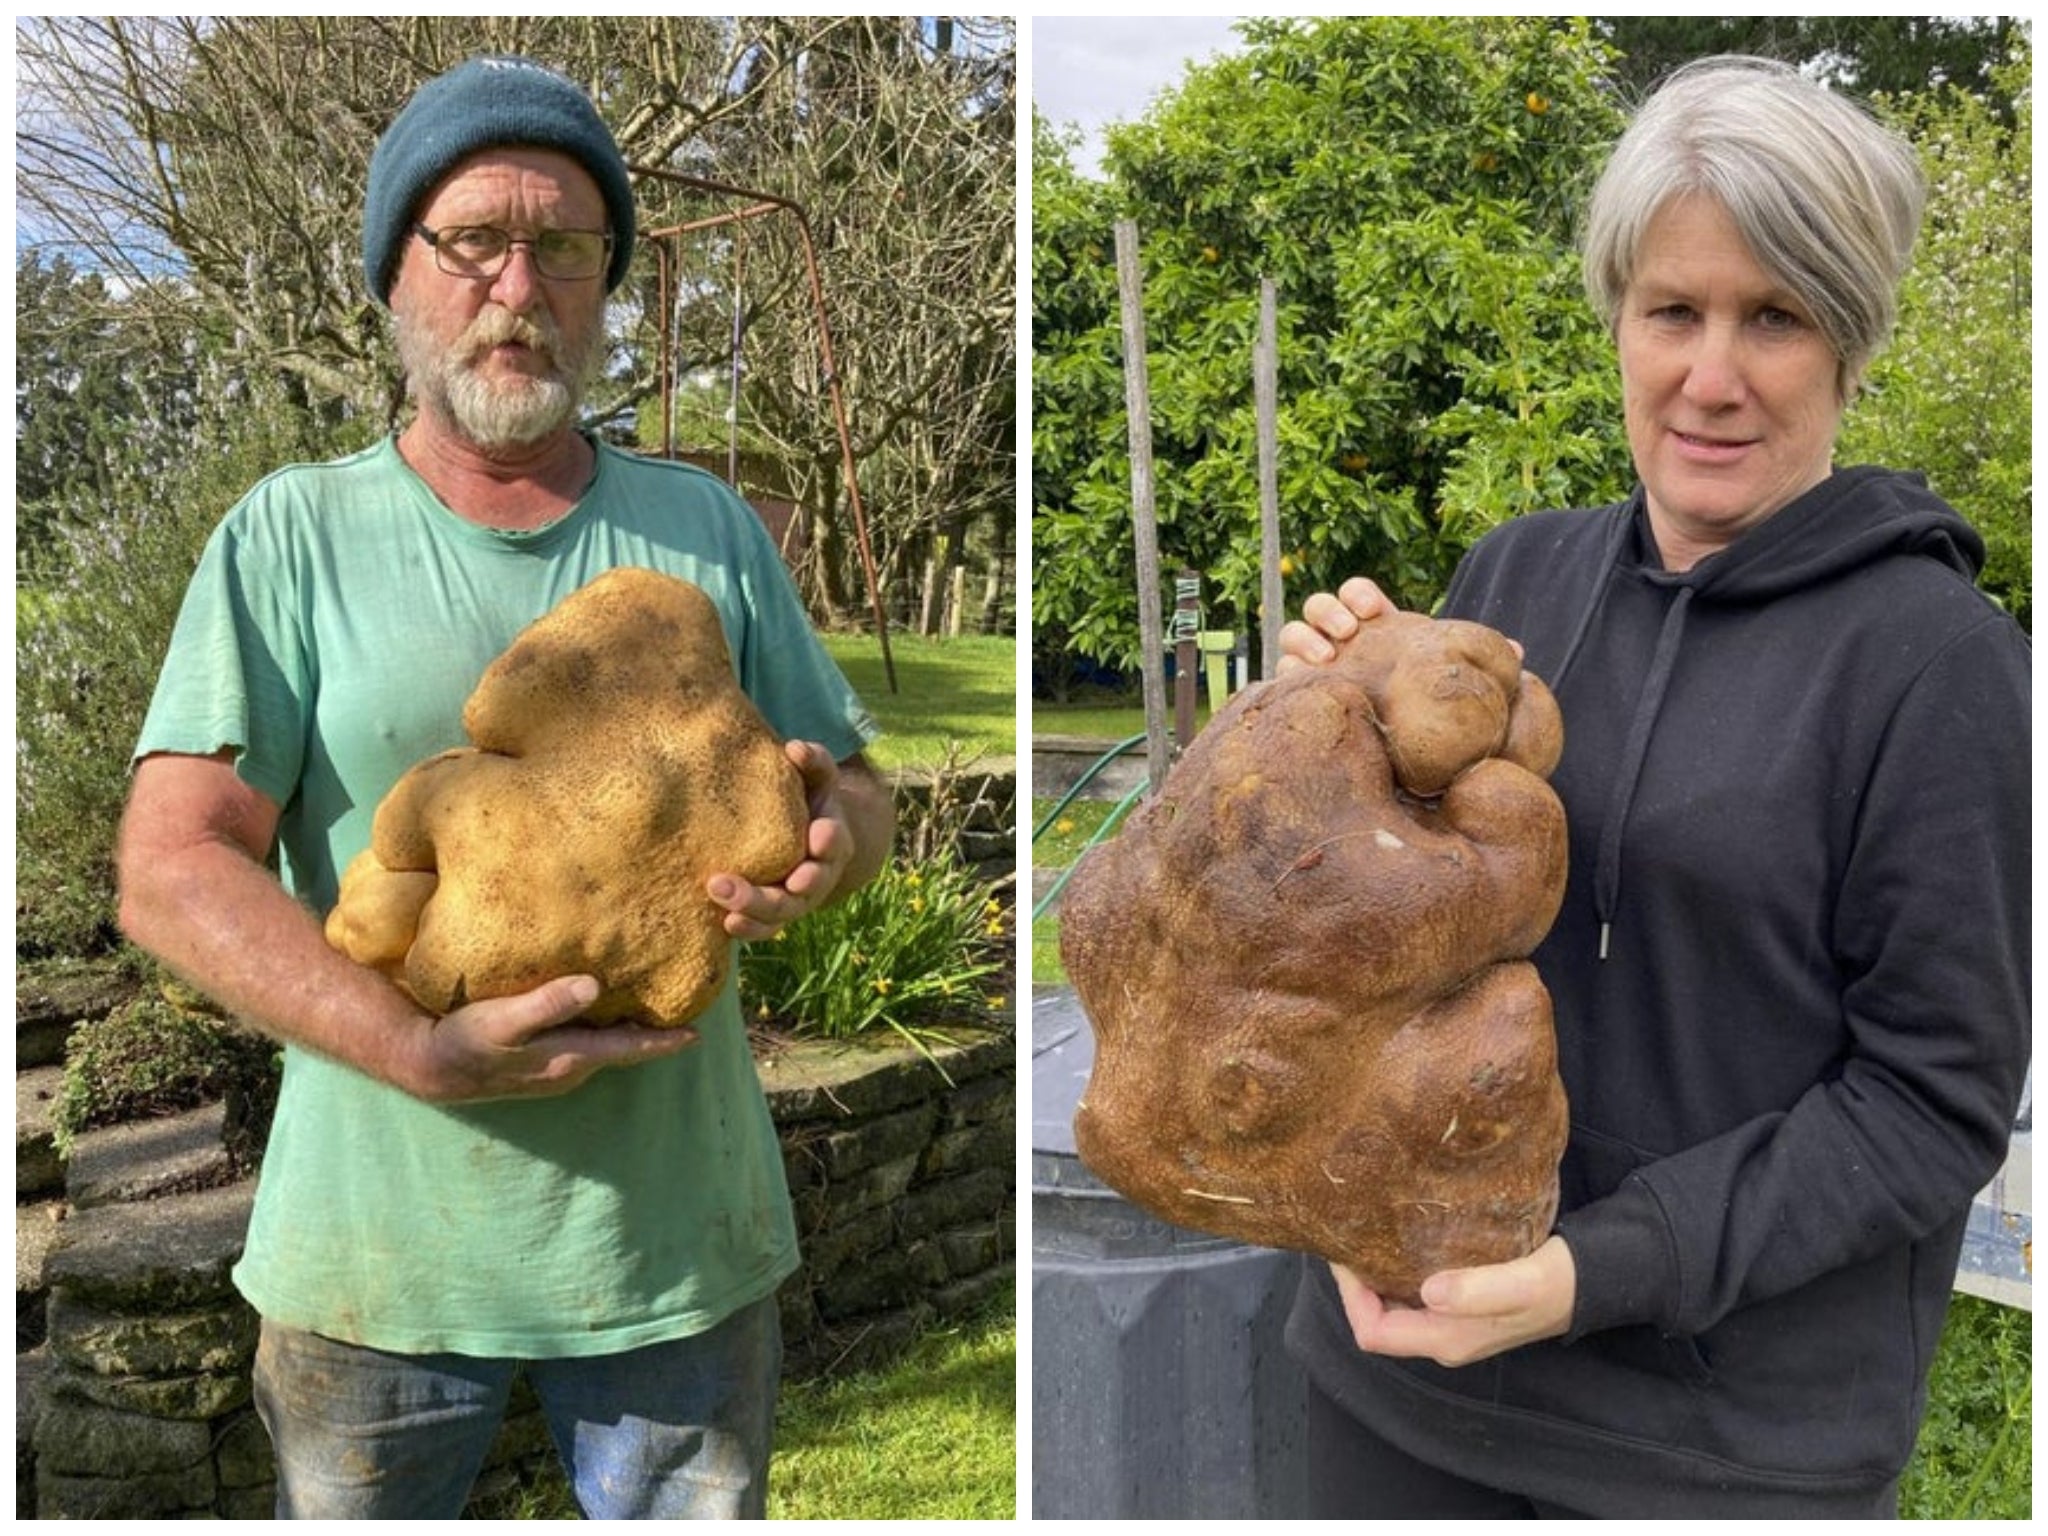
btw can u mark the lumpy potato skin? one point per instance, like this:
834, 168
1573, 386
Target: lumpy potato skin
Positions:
617, 766
1305, 963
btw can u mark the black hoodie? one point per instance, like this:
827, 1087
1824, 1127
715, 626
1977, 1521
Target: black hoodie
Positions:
1791, 983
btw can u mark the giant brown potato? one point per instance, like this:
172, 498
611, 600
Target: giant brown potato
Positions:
1305, 964
617, 766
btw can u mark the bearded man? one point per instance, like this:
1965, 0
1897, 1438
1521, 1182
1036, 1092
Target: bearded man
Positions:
448, 1200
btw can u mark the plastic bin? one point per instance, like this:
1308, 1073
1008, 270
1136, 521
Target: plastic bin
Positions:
1160, 1387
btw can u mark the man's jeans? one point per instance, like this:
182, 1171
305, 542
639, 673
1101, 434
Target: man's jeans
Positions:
673, 1431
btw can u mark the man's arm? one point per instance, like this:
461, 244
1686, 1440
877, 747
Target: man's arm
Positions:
853, 827
194, 893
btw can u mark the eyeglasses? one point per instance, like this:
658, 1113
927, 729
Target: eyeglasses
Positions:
477, 250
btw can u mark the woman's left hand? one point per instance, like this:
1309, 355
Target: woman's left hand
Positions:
1468, 1314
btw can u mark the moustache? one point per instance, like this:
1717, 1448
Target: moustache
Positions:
495, 327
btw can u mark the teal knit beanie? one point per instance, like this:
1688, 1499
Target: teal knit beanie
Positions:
495, 101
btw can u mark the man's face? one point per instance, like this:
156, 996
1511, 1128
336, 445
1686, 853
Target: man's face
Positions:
503, 360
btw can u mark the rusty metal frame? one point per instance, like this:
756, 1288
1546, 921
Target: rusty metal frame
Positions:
758, 205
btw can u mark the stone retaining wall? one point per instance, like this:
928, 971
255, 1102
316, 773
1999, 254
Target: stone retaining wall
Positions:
983, 800
136, 1402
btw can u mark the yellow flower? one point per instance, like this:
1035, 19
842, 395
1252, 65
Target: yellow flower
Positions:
995, 1001
883, 984
913, 878
995, 926
917, 903
991, 905
1064, 825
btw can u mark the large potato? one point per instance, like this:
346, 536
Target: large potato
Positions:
616, 767
1305, 964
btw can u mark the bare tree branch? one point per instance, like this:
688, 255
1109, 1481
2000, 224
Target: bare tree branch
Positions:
230, 155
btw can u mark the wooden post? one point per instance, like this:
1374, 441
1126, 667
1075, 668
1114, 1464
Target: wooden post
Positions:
1138, 416
1187, 624
1265, 392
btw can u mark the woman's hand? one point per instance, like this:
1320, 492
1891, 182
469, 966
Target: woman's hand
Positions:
1328, 620
1468, 1314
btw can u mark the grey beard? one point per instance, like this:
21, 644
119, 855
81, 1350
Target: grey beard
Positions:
516, 413
494, 416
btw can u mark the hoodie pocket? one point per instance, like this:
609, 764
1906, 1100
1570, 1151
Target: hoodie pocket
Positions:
1596, 1165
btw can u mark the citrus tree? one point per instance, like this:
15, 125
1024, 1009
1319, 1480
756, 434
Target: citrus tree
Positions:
1079, 519
1952, 396
1409, 185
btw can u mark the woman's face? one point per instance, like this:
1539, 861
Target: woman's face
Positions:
1729, 390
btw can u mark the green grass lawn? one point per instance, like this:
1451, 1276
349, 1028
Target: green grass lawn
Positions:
931, 1436
948, 691
1108, 718
1057, 848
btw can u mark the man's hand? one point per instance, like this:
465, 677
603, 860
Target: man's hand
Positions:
1328, 620
528, 1046
852, 823
1468, 1314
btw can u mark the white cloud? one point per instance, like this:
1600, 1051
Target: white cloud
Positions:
1090, 71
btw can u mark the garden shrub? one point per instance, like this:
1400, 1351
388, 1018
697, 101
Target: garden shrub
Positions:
1973, 1459
91, 628
151, 1058
912, 951
1412, 187
1409, 185
1952, 396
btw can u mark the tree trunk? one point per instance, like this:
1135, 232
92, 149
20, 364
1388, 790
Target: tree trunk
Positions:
929, 608
1000, 579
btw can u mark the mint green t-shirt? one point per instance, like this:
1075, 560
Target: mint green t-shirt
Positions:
338, 620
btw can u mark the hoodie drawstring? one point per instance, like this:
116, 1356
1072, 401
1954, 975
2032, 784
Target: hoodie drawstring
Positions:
1607, 869
1854, 518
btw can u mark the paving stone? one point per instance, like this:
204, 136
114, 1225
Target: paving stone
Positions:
174, 1254
148, 1158
38, 1170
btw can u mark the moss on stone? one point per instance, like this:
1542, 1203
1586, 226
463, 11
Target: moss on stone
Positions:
150, 1058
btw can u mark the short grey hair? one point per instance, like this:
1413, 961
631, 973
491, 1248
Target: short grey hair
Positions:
1827, 199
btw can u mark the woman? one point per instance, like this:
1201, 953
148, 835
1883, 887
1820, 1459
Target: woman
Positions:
1791, 971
